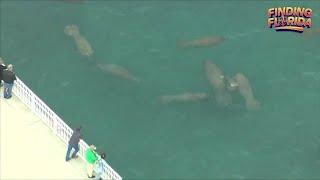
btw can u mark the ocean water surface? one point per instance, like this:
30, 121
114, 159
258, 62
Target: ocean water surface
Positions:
145, 139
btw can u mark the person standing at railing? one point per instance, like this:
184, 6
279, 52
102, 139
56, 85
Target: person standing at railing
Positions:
73, 144
2, 68
98, 166
8, 78
91, 158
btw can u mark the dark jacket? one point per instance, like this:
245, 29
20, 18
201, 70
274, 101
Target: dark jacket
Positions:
8, 76
2, 68
75, 137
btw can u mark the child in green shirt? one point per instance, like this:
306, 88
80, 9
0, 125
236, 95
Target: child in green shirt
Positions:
91, 158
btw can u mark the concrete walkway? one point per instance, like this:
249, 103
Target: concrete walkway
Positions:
29, 150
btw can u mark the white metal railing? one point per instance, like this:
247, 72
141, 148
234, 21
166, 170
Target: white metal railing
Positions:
54, 122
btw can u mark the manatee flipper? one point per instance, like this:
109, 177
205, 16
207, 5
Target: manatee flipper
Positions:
246, 91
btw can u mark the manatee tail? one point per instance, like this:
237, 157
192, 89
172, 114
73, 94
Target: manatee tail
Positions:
92, 61
183, 44
253, 104
135, 79
165, 99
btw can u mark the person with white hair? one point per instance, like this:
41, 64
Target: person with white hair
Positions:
2, 68
99, 166
91, 158
8, 78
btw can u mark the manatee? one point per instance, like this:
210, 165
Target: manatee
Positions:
82, 44
246, 91
204, 42
185, 97
118, 71
216, 79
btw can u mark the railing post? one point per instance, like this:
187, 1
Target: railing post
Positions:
33, 103
54, 125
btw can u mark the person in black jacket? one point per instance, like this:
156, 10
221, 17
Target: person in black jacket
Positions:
73, 143
2, 68
8, 78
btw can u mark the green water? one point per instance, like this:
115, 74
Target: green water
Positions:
145, 139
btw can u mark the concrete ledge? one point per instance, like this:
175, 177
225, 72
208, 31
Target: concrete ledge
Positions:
29, 150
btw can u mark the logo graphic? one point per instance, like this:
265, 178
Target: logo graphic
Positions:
289, 18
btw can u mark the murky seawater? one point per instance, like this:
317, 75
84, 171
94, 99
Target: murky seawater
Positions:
146, 139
